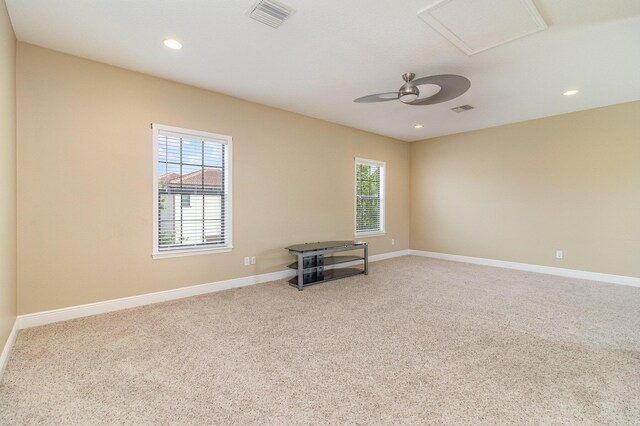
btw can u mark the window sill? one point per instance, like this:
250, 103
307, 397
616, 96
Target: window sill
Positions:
369, 234
193, 252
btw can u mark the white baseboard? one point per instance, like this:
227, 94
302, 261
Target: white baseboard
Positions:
571, 273
8, 346
389, 255
72, 312
79, 311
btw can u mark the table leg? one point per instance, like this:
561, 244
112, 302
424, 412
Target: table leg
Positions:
366, 259
300, 272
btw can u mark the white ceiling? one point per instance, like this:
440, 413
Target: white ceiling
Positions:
333, 51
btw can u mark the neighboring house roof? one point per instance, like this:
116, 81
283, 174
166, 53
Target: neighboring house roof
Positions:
208, 177
164, 179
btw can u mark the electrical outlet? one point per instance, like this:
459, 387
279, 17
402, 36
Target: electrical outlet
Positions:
247, 261
393, 242
559, 254
253, 260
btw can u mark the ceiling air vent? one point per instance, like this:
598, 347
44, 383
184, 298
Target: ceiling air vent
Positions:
462, 108
270, 12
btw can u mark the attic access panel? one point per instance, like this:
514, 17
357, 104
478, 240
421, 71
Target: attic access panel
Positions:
477, 25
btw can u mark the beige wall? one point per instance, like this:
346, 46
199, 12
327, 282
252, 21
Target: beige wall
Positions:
521, 191
7, 176
515, 192
85, 181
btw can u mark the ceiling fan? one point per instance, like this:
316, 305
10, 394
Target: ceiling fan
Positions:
451, 86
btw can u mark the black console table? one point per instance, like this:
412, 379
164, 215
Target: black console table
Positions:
312, 261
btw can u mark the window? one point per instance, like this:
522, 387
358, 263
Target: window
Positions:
369, 197
192, 192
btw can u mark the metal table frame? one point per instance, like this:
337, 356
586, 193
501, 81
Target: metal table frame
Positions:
347, 246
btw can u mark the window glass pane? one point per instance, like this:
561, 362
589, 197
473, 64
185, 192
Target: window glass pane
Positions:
192, 179
213, 154
168, 176
213, 179
172, 148
191, 151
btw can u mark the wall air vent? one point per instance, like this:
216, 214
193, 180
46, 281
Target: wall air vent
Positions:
270, 12
462, 108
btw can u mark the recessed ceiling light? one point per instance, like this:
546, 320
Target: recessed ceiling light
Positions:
173, 44
418, 126
571, 92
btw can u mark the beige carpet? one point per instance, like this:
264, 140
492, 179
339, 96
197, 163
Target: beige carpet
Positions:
418, 341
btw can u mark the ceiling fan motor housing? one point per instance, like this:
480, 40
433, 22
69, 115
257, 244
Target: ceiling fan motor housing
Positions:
408, 93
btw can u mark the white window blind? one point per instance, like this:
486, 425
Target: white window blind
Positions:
192, 191
369, 196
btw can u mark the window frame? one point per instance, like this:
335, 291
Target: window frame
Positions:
383, 170
197, 250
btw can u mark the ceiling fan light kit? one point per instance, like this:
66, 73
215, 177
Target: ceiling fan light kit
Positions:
451, 86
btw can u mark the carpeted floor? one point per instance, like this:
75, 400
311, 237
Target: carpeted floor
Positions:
418, 341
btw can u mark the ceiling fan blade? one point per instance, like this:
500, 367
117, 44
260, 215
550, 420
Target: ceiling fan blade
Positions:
451, 86
380, 97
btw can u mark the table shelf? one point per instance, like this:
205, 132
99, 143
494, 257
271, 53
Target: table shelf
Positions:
330, 275
331, 260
